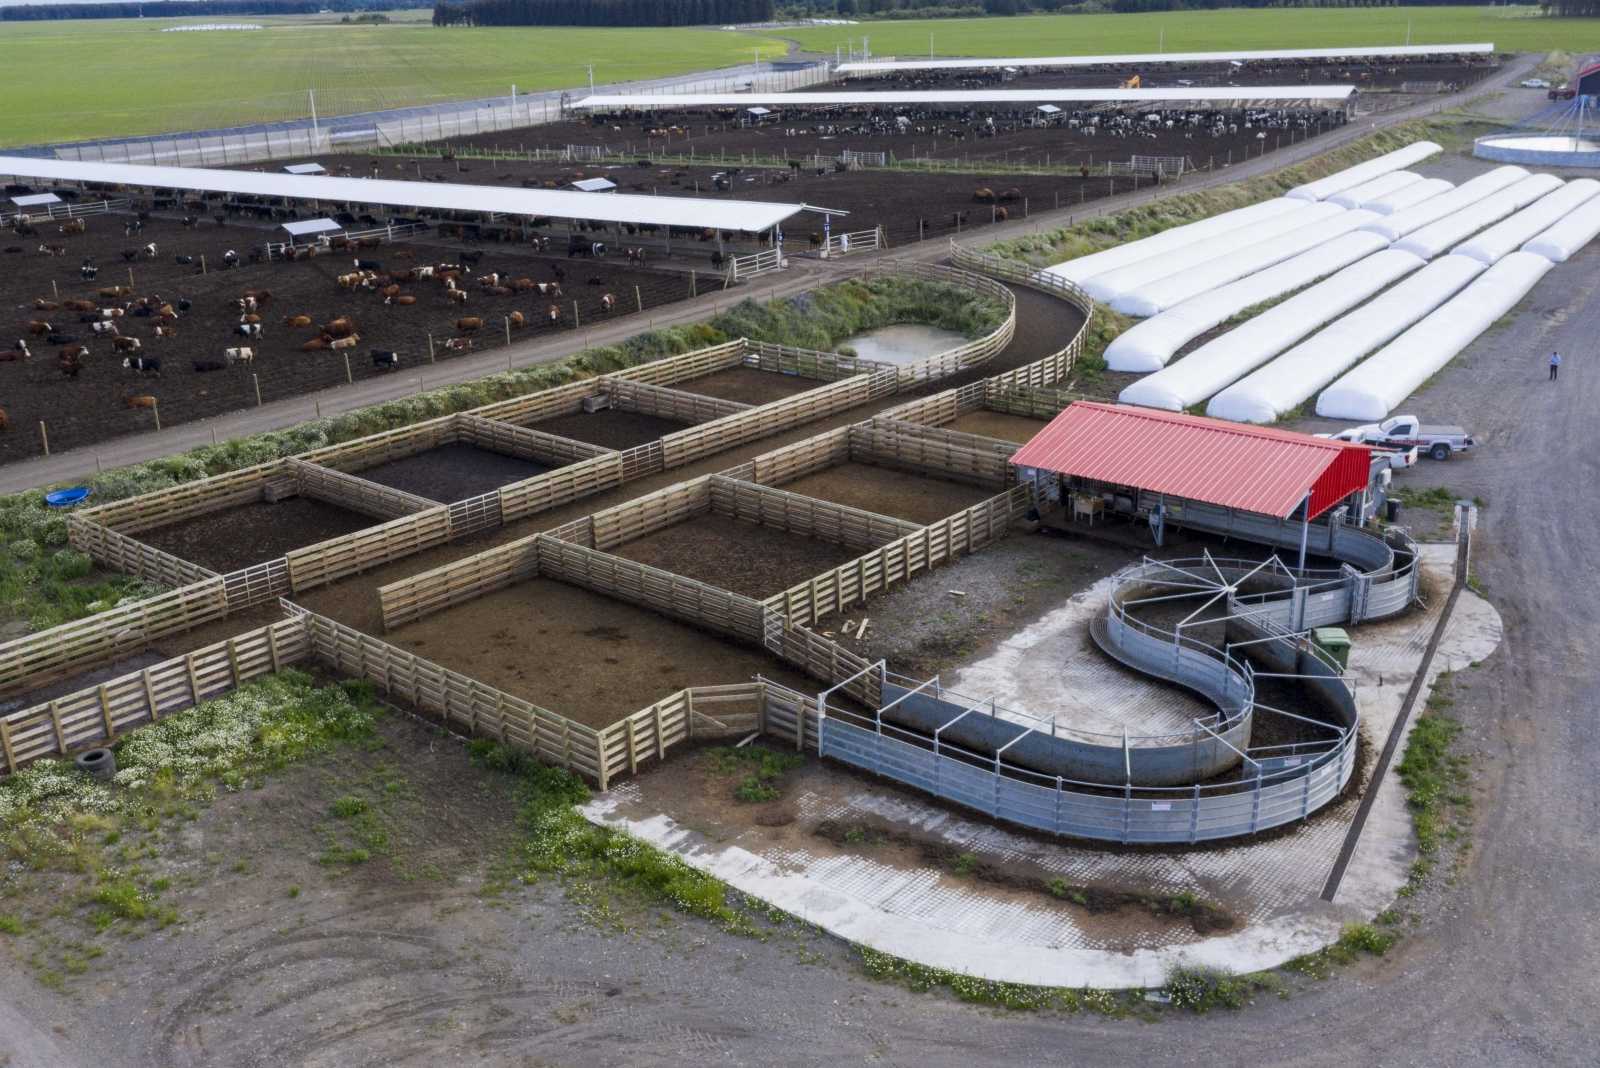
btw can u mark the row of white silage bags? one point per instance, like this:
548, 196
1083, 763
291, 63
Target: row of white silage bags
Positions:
1416, 193
1378, 385
1351, 177
1287, 381
1080, 270
1400, 223
1212, 366
1381, 186
1113, 284
1506, 237
1569, 235
1433, 239
1174, 289
1147, 346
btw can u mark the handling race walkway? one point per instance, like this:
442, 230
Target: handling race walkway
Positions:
806, 274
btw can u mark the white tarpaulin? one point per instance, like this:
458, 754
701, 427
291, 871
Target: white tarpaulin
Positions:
1433, 239
1426, 189
889, 66
1252, 343
1147, 346
1361, 173
1378, 385
1401, 223
1299, 373
1381, 186
1506, 237
1111, 285
1083, 268
1569, 235
1174, 289
1250, 95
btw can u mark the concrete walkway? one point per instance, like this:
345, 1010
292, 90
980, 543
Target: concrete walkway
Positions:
805, 274
893, 900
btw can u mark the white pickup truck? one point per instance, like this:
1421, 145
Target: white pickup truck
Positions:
1407, 432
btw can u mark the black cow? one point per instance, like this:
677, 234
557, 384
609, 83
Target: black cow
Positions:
150, 365
202, 366
384, 360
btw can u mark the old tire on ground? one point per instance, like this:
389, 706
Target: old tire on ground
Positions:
101, 763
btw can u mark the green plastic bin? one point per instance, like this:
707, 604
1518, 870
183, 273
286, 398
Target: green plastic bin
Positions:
1335, 641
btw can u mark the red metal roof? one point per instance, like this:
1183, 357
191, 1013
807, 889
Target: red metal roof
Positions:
1252, 468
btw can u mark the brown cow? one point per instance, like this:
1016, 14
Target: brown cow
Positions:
457, 295
141, 401
458, 344
553, 313
518, 321
404, 300
73, 226
70, 360
316, 344
297, 320
39, 328
40, 304
5, 420
166, 329
468, 325
523, 285
79, 305
608, 301
116, 291
250, 317
125, 344
262, 297
390, 291
1001, 215
343, 326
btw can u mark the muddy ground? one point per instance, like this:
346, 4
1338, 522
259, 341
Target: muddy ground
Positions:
610, 428
91, 407
887, 491
999, 425
580, 654
748, 385
453, 472
743, 558
254, 533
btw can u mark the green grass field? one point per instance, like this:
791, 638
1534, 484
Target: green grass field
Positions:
96, 78
1519, 29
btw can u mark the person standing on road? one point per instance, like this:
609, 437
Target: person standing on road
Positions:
1555, 365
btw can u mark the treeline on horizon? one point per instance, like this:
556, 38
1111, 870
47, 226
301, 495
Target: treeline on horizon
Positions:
162, 9
601, 12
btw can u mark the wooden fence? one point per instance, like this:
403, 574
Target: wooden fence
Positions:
57, 653
808, 363
575, 481
1030, 402
350, 554
677, 405
840, 524
118, 552
417, 596
689, 445
461, 702
185, 501
386, 446
1055, 367
853, 582
929, 450
99, 715
694, 364
356, 494
519, 441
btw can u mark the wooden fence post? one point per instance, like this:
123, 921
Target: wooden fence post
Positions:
150, 697
255, 378
430, 348
105, 712
156, 411
194, 678
638, 298
575, 315
44, 436
5, 746
55, 721
349, 376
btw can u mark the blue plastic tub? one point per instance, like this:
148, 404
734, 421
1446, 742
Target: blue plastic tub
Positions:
66, 498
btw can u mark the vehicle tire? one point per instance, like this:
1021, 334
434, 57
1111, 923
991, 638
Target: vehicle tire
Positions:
1440, 451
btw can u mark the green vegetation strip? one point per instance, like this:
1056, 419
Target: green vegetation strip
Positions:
44, 583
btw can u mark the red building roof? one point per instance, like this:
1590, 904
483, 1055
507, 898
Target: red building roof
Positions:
1255, 469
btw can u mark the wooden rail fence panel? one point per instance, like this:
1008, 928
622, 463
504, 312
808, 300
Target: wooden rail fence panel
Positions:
418, 596
1032, 402
689, 445
328, 561
386, 446
809, 363
550, 403
186, 500
131, 556
645, 515
553, 489
356, 494
856, 580
662, 591
932, 451
57, 653
460, 701
825, 660
101, 714
519, 441
817, 453
676, 405
694, 364
839, 524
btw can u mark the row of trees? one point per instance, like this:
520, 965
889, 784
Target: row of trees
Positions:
184, 8
897, 9
600, 12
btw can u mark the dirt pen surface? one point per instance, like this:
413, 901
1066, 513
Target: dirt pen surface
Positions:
252, 533
91, 407
748, 385
610, 428
580, 654
743, 558
918, 498
989, 424
453, 472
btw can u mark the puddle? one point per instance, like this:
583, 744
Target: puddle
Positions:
902, 344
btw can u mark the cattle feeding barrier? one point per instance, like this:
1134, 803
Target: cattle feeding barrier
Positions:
349, 239
72, 209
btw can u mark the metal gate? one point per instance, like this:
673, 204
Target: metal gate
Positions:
859, 241
742, 267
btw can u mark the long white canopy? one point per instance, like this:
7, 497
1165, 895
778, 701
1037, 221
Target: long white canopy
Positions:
1248, 94
1386, 52
699, 213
